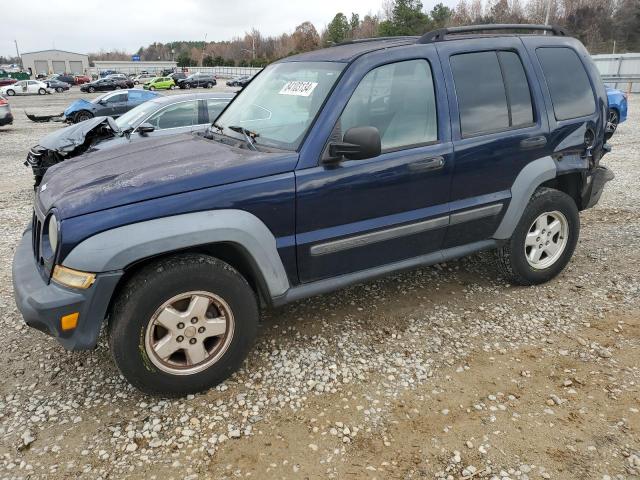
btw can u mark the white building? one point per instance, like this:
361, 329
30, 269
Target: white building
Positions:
46, 62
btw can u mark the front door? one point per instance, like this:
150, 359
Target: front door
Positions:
357, 214
117, 104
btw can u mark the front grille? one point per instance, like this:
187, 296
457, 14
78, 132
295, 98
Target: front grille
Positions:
36, 236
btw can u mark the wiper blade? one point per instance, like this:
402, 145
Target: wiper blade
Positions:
249, 136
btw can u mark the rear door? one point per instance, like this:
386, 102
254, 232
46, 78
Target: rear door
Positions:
499, 125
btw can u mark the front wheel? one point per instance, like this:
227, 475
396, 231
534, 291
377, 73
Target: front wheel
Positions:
59, 90
544, 239
209, 85
182, 325
91, 89
82, 116
152, 88
11, 93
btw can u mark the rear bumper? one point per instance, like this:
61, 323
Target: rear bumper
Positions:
6, 119
599, 178
43, 303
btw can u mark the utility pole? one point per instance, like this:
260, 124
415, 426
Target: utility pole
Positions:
203, 46
546, 19
18, 53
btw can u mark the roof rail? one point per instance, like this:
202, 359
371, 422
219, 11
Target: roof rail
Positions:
440, 34
375, 39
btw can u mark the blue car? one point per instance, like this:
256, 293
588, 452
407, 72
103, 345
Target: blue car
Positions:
111, 104
330, 168
617, 109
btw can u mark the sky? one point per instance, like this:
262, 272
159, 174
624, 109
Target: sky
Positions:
79, 26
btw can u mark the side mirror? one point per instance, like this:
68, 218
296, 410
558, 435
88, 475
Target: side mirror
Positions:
358, 143
145, 128
102, 102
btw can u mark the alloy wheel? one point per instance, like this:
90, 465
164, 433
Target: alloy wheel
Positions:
546, 240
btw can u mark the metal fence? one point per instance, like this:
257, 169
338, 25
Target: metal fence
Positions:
223, 72
621, 71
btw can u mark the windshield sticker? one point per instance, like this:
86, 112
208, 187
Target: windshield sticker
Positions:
298, 88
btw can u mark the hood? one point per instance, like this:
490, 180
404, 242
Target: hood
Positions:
79, 104
153, 168
67, 139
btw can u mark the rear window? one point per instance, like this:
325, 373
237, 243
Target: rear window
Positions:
568, 82
493, 92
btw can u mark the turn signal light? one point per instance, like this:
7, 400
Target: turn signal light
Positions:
72, 278
69, 322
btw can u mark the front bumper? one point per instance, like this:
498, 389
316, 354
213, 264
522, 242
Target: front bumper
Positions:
43, 303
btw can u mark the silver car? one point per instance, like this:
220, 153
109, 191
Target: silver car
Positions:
6, 118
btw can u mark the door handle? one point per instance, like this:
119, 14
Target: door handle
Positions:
427, 164
534, 142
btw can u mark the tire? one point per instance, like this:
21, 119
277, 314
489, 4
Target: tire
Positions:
11, 93
172, 87
136, 82
118, 87
81, 116
209, 85
91, 89
152, 88
613, 119
187, 86
59, 90
135, 334
42, 91
518, 261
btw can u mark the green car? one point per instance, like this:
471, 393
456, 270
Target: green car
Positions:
160, 83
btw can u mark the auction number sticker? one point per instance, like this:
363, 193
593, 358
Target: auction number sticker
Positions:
298, 88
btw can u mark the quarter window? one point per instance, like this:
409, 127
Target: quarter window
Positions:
568, 83
399, 100
492, 90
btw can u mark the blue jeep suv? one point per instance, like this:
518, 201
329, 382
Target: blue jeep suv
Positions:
330, 168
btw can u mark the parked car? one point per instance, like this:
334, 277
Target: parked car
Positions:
188, 113
330, 168
105, 73
6, 117
81, 79
177, 76
143, 78
112, 104
4, 81
240, 81
160, 83
105, 85
117, 76
57, 85
617, 110
68, 79
26, 87
197, 80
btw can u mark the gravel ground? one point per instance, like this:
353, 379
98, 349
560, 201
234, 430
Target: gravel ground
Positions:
443, 372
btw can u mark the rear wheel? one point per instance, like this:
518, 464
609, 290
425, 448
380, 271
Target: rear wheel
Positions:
59, 90
209, 85
613, 119
182, 325
91, 89
42, 91
82, 116
544, 239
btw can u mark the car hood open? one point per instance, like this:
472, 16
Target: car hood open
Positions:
156, 167
68, 139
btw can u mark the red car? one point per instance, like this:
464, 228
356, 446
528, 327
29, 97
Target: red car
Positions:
80, 79
4, 81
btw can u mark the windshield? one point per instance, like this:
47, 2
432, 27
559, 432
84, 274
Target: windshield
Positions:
133, 117
279, 105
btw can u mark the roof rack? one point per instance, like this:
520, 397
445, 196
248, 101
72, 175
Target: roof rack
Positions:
440, 34
375, 39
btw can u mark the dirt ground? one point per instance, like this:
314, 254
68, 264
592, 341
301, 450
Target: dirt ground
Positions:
443, 372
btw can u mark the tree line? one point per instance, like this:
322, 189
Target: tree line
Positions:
601, 25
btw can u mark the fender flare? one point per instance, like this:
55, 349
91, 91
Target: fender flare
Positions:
116, 249
528, 180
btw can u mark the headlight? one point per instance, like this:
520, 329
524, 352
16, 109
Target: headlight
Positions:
52, 230
72, 278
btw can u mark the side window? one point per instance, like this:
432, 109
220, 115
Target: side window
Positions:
215, 107
137, 95
399, 100
568, 83
175, 116
492, 90
117, 98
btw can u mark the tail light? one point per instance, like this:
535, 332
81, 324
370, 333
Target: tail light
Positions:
3, 101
